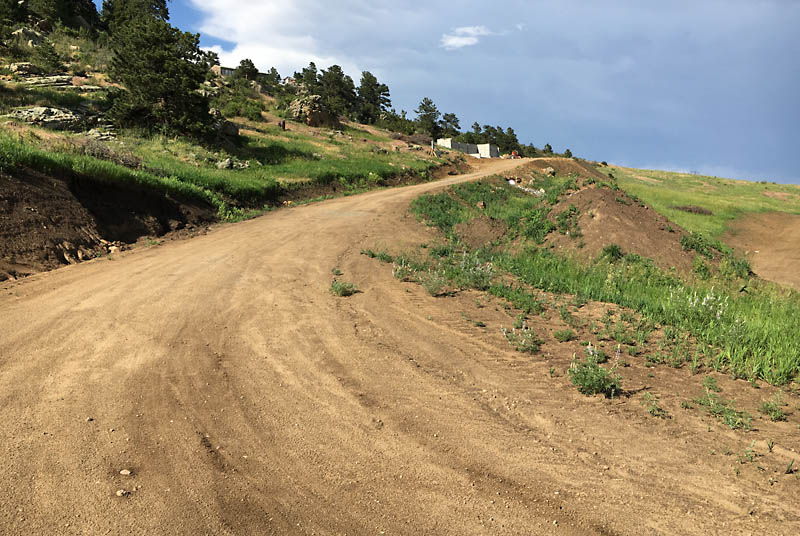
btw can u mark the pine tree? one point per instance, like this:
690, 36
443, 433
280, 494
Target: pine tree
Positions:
246, 69
450, 125
161, 69
428, 118
373, 98
117, 13
13, 11
337, 90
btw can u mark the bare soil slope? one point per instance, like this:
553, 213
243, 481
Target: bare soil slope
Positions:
245, 399
47, 222
610, 217
771, 242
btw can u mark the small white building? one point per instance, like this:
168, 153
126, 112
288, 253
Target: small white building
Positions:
483, 150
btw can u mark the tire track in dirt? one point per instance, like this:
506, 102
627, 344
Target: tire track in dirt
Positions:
248, 400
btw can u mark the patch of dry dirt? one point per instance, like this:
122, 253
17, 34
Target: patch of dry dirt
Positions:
771, 242
245, 399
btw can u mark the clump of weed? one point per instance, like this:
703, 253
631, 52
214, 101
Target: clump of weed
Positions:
336, 271
567, 222
434, 282
724, 411
651, 402
342, 288
380, 255
523, 339
772, 408
710, 384
564, 335
591, 379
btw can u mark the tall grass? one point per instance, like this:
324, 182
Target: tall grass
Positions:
14, 153
754, 334
727, 199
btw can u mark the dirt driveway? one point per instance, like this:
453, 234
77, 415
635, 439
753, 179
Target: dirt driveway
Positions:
243, 398
771, 242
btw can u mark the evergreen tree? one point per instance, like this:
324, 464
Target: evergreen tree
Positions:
450, 125
308, 78
428, 118
548, 149
161, 68
337, 90
246, 69
568, 153
13, 11
117, 13
373, 98
46, 58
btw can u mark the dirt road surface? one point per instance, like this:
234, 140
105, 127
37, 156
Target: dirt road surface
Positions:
771, 242
244, 398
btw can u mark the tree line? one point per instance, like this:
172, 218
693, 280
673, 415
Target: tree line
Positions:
162, 70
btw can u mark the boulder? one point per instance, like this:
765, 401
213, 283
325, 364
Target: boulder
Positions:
24, 68
550, 172
312, 111
31, 37
222, 126
59, 80
225, 164
54, 118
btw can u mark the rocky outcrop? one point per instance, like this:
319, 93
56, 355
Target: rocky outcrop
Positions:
31, 37
312, 111
222, 126
24, 67
57, 80
54, 118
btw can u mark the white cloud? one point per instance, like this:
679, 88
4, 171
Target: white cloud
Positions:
464, 36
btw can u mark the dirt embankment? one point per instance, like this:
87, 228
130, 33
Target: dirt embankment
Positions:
47, 222
771, 242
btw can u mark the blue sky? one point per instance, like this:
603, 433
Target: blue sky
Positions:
708, 86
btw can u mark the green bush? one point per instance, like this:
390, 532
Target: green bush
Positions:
342, 288
564, 335
592, 379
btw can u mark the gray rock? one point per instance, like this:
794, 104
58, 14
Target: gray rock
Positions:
32, 37
311, 110
54, 118
225, 164
24, 68
550, 172
58, 80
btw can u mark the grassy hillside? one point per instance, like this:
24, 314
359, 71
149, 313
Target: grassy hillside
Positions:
265, 162
726, 199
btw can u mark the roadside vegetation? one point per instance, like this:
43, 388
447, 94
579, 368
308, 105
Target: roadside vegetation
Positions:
705, 321
702, 204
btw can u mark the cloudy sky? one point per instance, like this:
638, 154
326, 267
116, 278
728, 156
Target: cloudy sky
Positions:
703, 85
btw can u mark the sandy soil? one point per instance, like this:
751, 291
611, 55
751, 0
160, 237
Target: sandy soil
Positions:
771, 242
245, 399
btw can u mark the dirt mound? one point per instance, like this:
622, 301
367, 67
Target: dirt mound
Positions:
481, 231
770, 243
47, 222
564, 166
607, 216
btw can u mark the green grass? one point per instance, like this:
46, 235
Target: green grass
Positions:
724, 411
14, 153
592, 379
727, 199
564, 335
753, 335
342, 288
